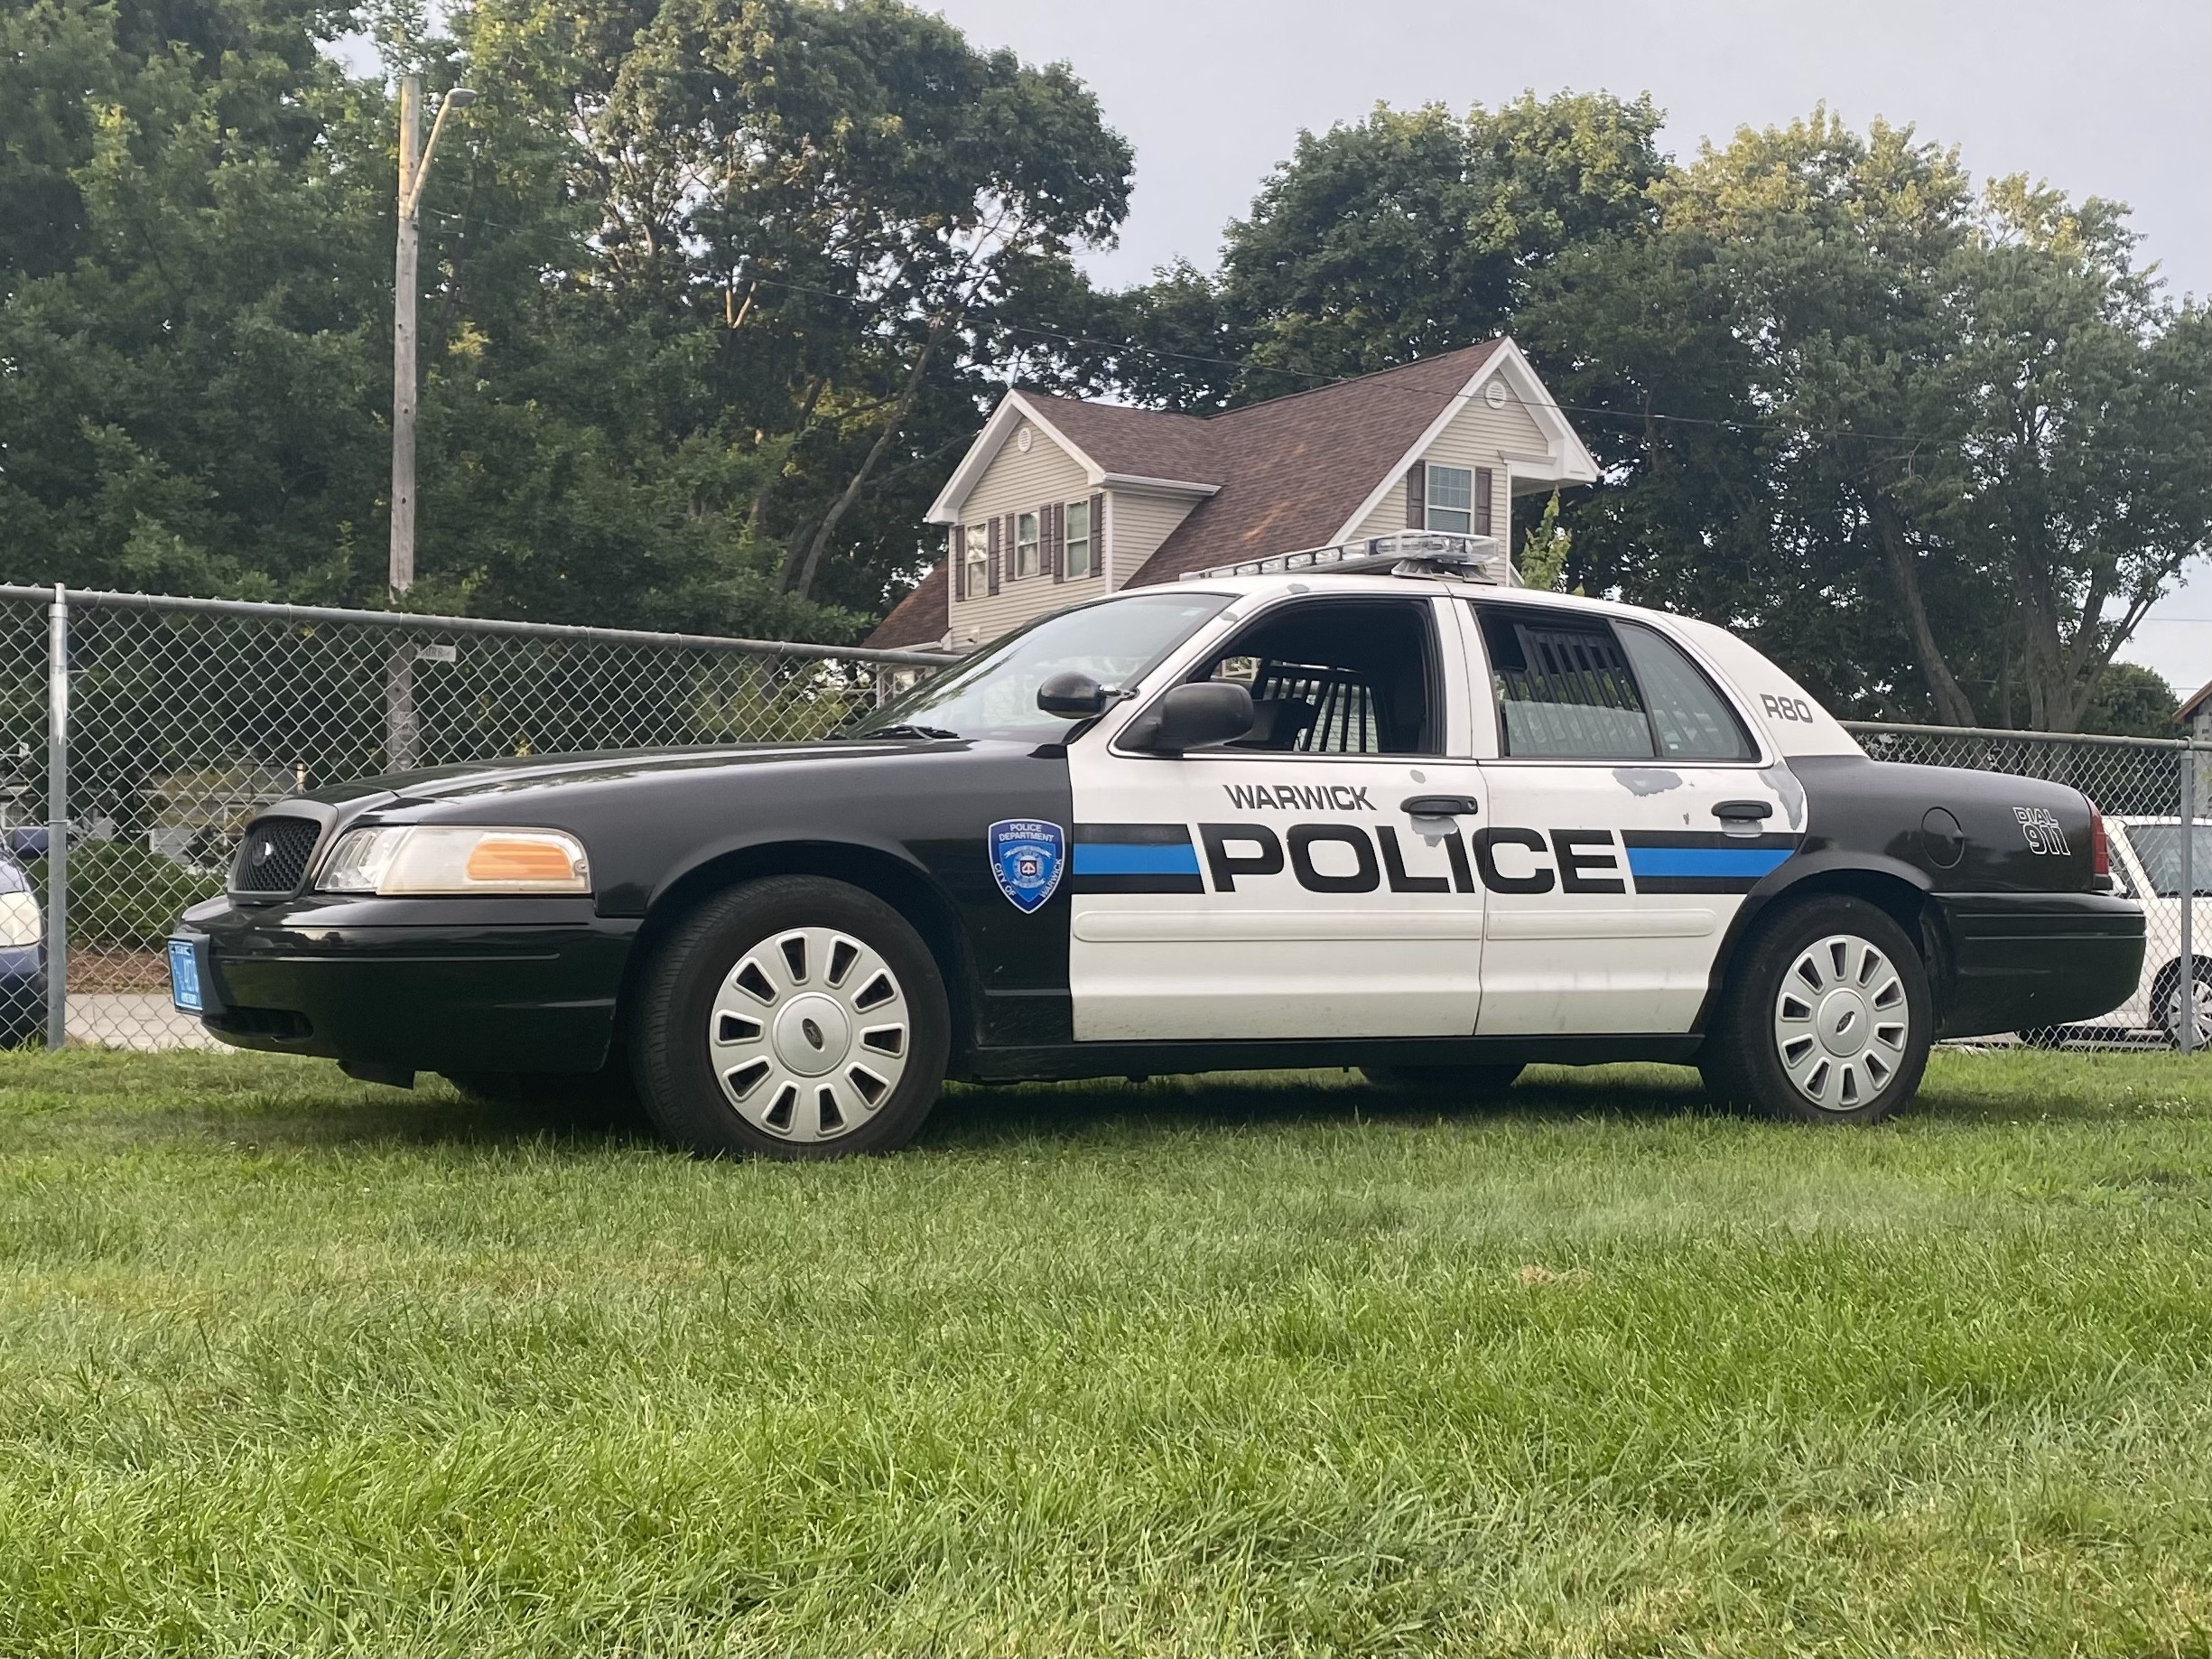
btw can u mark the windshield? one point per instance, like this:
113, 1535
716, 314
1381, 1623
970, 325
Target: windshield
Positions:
2158, 846
995, 695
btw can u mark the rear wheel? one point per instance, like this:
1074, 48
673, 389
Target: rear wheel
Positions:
2185, 1006
793, 1016
1473, 1083
1826, 1018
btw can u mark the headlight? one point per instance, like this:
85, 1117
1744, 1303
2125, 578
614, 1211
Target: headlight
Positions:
439, 858
19, 919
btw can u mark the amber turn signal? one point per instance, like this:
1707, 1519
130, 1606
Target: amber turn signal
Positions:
516, 859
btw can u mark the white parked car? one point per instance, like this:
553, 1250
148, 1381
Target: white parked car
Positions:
2146, 866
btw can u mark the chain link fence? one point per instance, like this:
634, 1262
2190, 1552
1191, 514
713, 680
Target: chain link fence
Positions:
2149, 789
185, 717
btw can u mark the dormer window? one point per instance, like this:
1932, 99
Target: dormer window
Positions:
1450, 500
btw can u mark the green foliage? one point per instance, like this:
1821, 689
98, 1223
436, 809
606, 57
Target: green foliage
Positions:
1544, 549
2131, 701
123, 897
1936, 449
681, 263
1406, 234
1261, 1364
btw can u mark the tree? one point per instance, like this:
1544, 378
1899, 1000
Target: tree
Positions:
711, 293
1410, 233
1939, 448
2132, 701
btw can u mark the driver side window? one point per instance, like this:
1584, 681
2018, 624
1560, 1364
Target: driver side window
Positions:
1346, 676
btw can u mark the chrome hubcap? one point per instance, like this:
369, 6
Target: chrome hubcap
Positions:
2190, 1000
1841, 1022
808, 1034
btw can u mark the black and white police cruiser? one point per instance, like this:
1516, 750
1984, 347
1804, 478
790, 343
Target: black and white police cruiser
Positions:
1369, 806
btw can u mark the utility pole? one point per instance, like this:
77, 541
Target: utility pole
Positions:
415, 159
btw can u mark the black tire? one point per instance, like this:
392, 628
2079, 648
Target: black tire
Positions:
1768, 1053
2165, 1011
1470, 1083
816, 1074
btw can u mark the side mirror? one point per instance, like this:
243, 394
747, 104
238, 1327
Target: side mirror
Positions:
1194, 717
1073, 694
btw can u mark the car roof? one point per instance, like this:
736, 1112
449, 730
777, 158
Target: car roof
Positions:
1326, 583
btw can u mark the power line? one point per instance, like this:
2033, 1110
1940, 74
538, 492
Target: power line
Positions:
1321, 382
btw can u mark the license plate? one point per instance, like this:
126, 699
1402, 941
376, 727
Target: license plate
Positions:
184, 977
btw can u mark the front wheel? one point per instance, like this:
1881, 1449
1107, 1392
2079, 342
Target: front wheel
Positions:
793, 1016
1826, 1018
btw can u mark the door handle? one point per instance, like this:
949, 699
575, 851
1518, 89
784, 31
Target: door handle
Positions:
1743, 812
1440, 805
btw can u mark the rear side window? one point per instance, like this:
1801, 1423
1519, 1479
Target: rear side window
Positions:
1690, 719
1575, 688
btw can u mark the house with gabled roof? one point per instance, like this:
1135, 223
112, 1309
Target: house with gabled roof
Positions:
1060, 499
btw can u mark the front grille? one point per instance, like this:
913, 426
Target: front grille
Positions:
273, 855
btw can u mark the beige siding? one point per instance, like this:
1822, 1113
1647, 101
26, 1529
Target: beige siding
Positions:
1481, 436
1018, 483
1142, 519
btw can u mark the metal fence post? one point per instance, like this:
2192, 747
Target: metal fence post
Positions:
58, 819
2185, 985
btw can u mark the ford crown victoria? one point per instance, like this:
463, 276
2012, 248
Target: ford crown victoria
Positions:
1369, 806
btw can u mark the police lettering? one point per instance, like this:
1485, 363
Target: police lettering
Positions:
1343, 858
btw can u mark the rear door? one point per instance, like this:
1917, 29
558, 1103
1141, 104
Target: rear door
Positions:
1285, 886
1628, 815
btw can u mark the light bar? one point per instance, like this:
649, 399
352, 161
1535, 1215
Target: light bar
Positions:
1402, 553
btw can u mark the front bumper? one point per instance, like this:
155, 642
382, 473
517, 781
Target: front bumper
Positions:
429, 984
2011, 962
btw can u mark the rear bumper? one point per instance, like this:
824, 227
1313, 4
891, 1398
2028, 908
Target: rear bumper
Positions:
2010, 962
520, 985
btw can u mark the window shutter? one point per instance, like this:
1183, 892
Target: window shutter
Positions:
1056, 519
960, 561
1482, 500
1416, 495
995, 523
1098, 535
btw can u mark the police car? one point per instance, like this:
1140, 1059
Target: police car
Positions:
1368, 806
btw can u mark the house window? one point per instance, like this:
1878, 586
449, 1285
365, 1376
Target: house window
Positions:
1025, 544
1450, 500
1078, 539
979, 561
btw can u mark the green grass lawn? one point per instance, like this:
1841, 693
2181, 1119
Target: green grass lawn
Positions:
292, 1363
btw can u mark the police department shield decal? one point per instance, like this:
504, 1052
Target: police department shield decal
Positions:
1028, 856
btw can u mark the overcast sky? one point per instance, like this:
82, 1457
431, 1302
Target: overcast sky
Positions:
2113, 100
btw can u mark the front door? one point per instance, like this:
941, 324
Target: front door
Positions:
1311, 880
1629, 815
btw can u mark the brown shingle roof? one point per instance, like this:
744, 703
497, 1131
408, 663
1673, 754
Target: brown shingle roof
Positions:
1290, 471
1137, 443
919, 620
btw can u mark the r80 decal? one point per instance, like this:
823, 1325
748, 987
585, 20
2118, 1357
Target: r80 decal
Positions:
1786, 708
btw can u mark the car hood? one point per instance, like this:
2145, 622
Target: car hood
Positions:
519, 774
